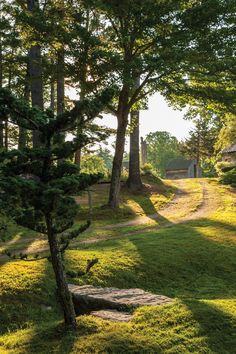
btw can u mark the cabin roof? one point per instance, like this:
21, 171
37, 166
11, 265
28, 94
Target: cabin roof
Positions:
179, 164
229, 149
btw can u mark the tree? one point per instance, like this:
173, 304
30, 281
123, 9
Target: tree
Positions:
201, 143
35, 69
161, 148
134, 181
157, 41
227, 134
12, 69
36, 191
92, 163
107, 157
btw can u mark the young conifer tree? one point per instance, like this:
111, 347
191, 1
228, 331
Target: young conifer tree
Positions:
37, 191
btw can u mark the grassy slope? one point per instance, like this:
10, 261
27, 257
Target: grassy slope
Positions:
154, 196
193, 262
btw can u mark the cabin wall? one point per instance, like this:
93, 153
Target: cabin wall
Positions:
176, 174
191, 171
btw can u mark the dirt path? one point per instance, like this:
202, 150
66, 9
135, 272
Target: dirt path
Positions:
192, 201
183, 208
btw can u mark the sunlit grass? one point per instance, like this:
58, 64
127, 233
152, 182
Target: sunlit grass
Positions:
193, 262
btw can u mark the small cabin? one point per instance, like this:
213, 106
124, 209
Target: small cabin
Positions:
229, 154
180, 168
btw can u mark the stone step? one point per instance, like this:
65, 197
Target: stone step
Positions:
89, 298
113, 315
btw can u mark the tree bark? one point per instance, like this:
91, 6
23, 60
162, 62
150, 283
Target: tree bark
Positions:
143, 151
23, 132
6, 134
118, 158
62, 286
35, 73
60, 82
78, 157
60, 86
83, 79
1, 82
52, 95
134, 181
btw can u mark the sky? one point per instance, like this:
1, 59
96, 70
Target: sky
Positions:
158, 117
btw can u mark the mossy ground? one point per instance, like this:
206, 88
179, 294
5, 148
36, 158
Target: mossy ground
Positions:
194, 262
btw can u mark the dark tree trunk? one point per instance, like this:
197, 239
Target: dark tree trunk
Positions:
52, 95
23, 132
35, 73
62, 286
1, 81
143, 151
118, 158
60, 82
78, 157
83, 68
198, 154
134, 181
78, 152
6, 128
6, 134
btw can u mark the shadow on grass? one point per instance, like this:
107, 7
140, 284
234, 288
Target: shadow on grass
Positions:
216, 326
101, 212
178, 261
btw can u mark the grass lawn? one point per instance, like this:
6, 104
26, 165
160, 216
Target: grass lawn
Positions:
194, 262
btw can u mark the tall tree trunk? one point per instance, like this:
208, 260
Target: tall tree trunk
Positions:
60, 85
83, 80
78, 157
143, 151
6, 128
6, 135
118, 158
23, 132
60, 82
52, 95
62, 286
198, 154
35, 73
134, 181
1, 82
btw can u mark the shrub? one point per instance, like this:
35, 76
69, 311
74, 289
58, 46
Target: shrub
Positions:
91, 163
229, 177
208, 168
147, 168
224, 166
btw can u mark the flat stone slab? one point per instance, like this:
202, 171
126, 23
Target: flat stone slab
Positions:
113, 315
89, 298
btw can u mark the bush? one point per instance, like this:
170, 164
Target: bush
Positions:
229, 177
91, 163
208, 168
147, 168
224, 166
